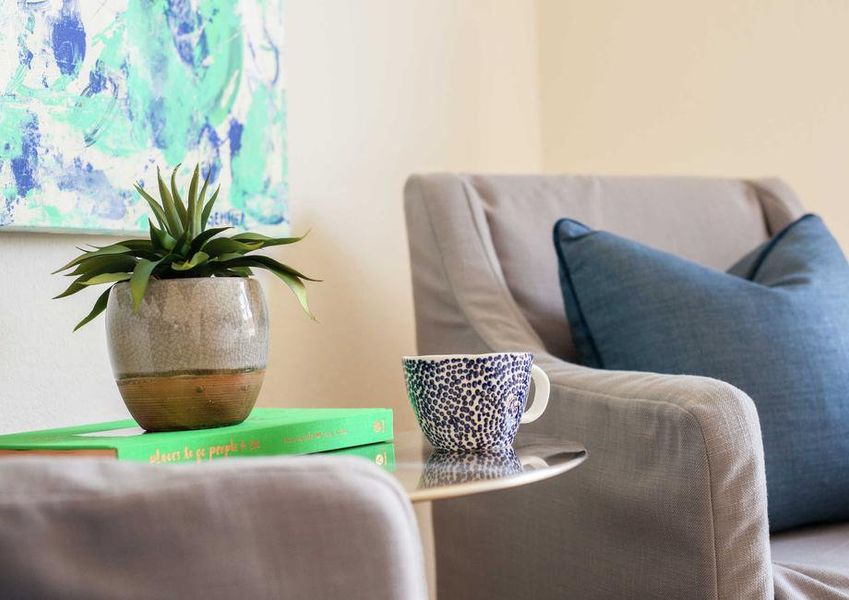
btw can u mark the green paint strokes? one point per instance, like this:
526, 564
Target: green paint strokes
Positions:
175, 96
222, 78
249, 163
12, 120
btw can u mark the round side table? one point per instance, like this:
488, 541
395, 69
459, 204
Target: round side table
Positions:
427, 474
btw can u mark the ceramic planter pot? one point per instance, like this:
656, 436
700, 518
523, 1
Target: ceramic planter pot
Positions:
193, 356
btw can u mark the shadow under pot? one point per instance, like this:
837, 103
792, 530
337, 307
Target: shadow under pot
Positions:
193, 355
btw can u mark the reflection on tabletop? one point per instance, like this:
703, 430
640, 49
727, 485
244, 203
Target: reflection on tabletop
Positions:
429, 474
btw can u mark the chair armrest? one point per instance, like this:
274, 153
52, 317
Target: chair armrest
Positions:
678, 457
276, 527
671, 502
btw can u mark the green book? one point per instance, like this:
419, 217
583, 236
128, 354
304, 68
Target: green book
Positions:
267, 431
382, 454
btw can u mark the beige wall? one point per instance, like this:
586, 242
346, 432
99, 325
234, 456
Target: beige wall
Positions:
377, 90
740, 88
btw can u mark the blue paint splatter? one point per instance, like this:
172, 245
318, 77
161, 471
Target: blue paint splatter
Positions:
68, 39
184, 22
210, 144
208, 132
83, 178
203, 46
235, 135
156, 119
271, 218
8, 209
99, 81
25, 164
25, 56
96, 79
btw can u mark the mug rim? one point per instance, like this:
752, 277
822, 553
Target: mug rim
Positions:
435, 357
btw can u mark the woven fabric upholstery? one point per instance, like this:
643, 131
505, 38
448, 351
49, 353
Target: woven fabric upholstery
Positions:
812, 562
281, 527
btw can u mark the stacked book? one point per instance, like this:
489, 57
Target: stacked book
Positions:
365, 432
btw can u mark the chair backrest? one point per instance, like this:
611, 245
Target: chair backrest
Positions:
710, 221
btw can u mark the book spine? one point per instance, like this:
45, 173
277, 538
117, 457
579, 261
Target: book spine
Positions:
300, 438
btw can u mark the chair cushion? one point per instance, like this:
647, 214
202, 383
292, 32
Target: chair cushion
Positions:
811, 562
776, 325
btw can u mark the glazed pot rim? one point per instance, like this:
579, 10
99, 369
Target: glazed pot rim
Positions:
157, 281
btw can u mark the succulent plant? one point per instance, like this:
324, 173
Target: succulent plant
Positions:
180, 246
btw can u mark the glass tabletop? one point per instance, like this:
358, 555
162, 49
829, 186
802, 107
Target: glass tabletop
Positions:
427, 474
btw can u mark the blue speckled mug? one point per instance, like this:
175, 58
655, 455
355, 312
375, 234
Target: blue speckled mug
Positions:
474, 401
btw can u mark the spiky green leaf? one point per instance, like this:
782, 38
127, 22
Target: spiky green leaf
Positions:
178, 200
227, 256
201, 224
221, 246
205, 236
131, 244
139, 280
288, 275
181, 248
300, 291
162, 239
148, 254
265, 262
104, 264
158, 211
175, 227
198, 259
241, 271
76, 286
113, 249
207, 210
265, 240
140, 248
194, 220
99, 307
106, 278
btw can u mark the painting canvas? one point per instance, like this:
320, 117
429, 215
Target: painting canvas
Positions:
96, 94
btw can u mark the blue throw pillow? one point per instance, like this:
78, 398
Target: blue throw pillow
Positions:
776, 325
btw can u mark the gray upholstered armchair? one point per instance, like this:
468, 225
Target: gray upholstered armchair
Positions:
672, 501
272, 527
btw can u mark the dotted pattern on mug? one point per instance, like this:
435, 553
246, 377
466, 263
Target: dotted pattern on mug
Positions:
469, 403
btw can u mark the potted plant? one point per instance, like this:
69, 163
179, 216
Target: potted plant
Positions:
186, 323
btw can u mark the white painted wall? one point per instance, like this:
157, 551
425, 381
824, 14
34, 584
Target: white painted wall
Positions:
377, 90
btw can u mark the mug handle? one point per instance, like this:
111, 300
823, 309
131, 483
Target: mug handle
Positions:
542, 388
532, 463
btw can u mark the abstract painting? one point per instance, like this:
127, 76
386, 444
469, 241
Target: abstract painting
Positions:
96, 94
